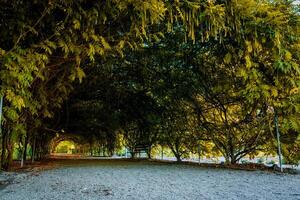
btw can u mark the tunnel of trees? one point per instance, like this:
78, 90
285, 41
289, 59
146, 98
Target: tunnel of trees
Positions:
180, 74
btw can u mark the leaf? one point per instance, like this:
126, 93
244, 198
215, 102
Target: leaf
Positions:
227, 58
16, 100
288, 55
248, 46
11, 114
91, 52
105, 43
274, 92
248, 61
121, 44
76, 24
80, 73
2, 52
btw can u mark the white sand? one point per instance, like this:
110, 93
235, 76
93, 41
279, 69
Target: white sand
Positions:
118, 179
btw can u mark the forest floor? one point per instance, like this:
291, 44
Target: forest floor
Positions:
124, 179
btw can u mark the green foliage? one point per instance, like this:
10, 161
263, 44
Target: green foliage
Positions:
159, 71
65, 147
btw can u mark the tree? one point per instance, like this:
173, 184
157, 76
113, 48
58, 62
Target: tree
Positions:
45, 48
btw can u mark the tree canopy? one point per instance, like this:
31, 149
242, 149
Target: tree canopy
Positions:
176, 73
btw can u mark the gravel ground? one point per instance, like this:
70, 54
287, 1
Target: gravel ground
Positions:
105, 179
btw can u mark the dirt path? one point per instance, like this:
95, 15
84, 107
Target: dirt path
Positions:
118, 179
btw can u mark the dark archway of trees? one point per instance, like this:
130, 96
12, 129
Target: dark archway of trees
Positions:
183, 75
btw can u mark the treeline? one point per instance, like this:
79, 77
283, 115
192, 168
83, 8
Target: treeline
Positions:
175, 73
181, 95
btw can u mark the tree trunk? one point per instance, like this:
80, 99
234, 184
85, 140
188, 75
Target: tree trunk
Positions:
176, 154
25, 148
99, 150
233, 160
149, 153
227, 159
6, 155
3, 153
38, 149
132, 154
33, 149
91, 150
22, 157
178, 157
10, 149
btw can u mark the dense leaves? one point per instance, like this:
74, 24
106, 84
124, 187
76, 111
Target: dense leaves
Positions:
177, 73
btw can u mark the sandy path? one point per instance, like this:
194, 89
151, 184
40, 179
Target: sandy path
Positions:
147, 180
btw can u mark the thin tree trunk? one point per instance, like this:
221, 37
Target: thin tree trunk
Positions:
91, 150
3, 153
25, 148
149, 153
199, 153
10, 147
22, 157
176, 154
132, 153
1, 131
38, 150
33, 149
